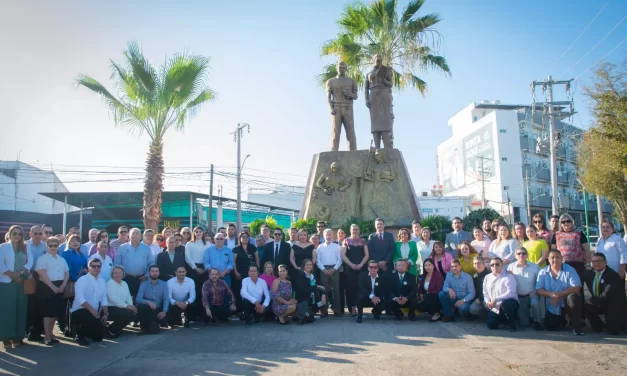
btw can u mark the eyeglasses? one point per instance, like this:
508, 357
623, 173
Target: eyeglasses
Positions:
539, 221
96, 266
521, 253
244, 237
17, 234
53, 246
597, 261
278, 234
38, 233
48, 232
123, 232
566, 221
495, 264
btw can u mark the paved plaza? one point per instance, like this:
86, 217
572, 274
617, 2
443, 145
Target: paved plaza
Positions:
330, 346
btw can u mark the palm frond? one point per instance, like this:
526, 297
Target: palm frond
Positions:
185, 77
411, 80
117, 108
412, 8
203, 97
144, 74
439, 62
354, 19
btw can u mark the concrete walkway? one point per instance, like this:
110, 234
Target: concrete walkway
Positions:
331, 346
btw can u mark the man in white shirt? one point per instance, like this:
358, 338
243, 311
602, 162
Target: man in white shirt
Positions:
107, 263
93, 233
526, 274
182, 294
148, 238
293, 234
417, 231
254, 291
231, 236
499, 294
89, 310
329, 260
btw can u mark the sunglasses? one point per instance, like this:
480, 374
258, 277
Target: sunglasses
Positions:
567, 221
597, 261
96, 266
244, 237
123, 232
538, 221
521, 253
278, 234
48, 232
38, 233
495, 264
53, 246
17, 234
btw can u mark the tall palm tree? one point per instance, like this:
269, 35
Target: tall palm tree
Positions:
154, 101
405, 42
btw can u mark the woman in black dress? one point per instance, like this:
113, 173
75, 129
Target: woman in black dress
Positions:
244, 255
301, 249
355, 255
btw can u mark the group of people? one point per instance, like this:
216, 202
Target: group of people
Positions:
94, 290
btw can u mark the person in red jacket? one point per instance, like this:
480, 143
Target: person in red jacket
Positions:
430, 285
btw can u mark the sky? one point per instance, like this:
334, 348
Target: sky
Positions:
264, 59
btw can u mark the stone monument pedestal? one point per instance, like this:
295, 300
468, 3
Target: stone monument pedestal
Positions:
365, 184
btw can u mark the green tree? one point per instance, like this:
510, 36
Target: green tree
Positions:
366, 227
602, 156
308, 224
476, 218
439, 226
154, 101
255, 226
406, 42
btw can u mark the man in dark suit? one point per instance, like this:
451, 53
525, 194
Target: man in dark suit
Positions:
169, 260
457, 236
381, 247
371, 292
277, 251
608, 296
402, 287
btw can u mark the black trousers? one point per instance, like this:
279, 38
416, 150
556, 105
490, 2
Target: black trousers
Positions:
222, 312
199, 280
64, 320
34, 318
236, 287
396, 308
120, 318
148, 317
87, 326
133, 285
351, 279
175, 313
342, 291
430, 303
580, 268
506, 314
366, 302
572, 307
249, 310
614, 317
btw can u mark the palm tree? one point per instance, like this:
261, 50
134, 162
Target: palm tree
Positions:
154, 101
402, 41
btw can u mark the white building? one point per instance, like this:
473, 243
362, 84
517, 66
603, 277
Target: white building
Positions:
446, 206
282, 196
495, 146
20, 184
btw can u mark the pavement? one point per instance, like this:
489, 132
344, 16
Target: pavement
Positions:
330, 346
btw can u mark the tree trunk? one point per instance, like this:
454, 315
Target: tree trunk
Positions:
153, 185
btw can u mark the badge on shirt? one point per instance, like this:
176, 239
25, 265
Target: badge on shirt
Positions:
376, 283
405, 283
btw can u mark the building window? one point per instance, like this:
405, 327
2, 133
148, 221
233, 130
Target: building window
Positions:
474, 118
437, 210
504, 159
502, 130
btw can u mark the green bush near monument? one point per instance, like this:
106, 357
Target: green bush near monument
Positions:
308, 224
255, 226
476, 218
439, 226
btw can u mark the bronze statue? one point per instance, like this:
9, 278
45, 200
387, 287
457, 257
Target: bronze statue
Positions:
341, 92
379, 101
333, 180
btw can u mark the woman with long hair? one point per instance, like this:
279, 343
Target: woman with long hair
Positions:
307, 291
16, 261
496, 224
537, 248
186, 233
406, 249
165, 234
355, 256
613, 247
283, 305
504, 246
519, 232
465, 254
194, 252
430, 286
103, 235
244, 255
425, 247
268, 274
77, 264
543, 232
301, 249
441, 259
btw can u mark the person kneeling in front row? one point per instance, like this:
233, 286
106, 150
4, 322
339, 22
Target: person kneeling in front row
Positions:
152, 303
89, 310
608, 297
371, 292
121, 309
217, 298
458, 292
181, 294
254, 292
402, 287
499, 293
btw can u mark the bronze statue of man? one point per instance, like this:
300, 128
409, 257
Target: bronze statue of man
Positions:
341, 92
379, 101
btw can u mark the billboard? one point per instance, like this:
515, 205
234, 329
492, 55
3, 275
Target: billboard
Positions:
462, 162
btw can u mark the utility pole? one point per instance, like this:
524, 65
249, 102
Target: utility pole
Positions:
528, 196
509, 210
599, 212
482, 184
237, 138
585, 211
554, 110
210, 214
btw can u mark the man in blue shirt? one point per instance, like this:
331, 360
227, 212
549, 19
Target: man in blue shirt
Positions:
457, 236
560, 286
136, 257
457, 292
152, 303
34, 320
220, 257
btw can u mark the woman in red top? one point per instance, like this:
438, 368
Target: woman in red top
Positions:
541, 230
431, 283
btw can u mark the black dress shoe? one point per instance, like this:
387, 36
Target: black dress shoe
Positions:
359, 319
35, 338
398, 318
186, 324
82, 341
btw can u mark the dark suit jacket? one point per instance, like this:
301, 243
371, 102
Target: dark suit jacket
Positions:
167, 268
451, 242
435, 285
382, 251
407, 288
284, 255
611, 288
303, 288
364, 287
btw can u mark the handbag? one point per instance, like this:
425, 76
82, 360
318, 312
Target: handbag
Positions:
68, 292
30, 286
303, 312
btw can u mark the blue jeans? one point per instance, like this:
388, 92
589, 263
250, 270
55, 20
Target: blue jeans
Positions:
448, 304
227, 279
505, 316
526, 303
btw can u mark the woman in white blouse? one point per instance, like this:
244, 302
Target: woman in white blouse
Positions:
503, 246
54, 275
121, 308
481, 242
425, 247
194, 252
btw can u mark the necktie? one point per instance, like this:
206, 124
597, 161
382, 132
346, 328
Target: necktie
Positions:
276, 252
596, 283
381, 239
401, 278
458, 238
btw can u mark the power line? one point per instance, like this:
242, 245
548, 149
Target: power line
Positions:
601, 59
582, 33
596, 45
